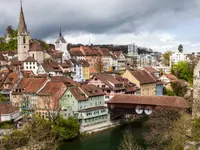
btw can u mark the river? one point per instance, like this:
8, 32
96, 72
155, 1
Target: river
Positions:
108, 139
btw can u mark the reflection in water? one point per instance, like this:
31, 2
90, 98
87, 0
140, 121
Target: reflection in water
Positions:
109, 139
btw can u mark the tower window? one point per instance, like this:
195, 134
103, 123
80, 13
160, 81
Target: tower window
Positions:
33, 55
24, 40
24, 46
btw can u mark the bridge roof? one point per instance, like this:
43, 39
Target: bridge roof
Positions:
167, 101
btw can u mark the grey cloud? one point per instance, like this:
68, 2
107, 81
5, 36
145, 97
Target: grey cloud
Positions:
97, 16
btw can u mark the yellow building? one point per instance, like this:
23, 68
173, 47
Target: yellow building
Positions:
145, 81
85, 69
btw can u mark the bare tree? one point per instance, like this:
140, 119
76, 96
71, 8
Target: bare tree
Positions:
129, 143
99, 65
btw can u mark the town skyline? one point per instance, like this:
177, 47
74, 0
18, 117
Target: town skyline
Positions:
133, 22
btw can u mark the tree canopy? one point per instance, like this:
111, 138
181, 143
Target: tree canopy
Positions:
166, 57
183, 70
180, 48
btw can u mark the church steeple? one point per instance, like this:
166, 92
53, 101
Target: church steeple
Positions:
22, 28
60, 34
23, 37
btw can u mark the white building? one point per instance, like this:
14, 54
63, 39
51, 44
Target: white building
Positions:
8, 112
177, 57
61, 45
132, 50
30, 64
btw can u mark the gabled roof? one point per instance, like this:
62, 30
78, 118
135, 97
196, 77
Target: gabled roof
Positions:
11, 80
85, 91
150, 69
7, 109
67, 81
167, 101
51, 88
76, 53
51, 66
105, 52
31, 85
30, 59
109, 80
171, 77
143, 77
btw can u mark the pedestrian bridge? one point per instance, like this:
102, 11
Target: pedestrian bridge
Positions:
132, 104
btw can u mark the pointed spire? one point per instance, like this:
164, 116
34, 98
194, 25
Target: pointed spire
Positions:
60, 32
22, 28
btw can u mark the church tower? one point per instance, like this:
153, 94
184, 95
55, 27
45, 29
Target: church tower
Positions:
23, 38
61, 45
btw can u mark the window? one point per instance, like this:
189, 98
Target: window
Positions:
33, 55
24, 40
26, 67
33, 67
30, 67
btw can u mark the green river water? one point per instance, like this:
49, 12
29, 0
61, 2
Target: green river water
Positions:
108, 139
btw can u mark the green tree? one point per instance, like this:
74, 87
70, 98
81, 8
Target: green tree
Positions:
166, 57
183, 71
2, 98
66, 128
180, 48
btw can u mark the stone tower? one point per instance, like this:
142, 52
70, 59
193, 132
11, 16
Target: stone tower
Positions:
23, 38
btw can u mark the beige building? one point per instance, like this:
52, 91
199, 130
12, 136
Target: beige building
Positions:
143, 80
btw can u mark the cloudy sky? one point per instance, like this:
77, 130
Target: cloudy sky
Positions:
157, 24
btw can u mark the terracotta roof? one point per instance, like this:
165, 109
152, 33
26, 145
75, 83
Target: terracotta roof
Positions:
78, 94
7, 109
85, 91
92, 90
171, 77
30, 59
109, 80
76, 53
143, 77
30, 85
51, 66
167, 101
105, 52
51, 88
182, 83
3, 76
67, 81
35, 46
91, 51
10, 80
150, 69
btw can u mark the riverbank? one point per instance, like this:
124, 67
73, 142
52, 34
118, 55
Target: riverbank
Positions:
107, 139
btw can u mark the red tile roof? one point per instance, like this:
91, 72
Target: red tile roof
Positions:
143, 77
30, 59
7, 109
30, 85
167, 101
171, 77
150, 69
10, 80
